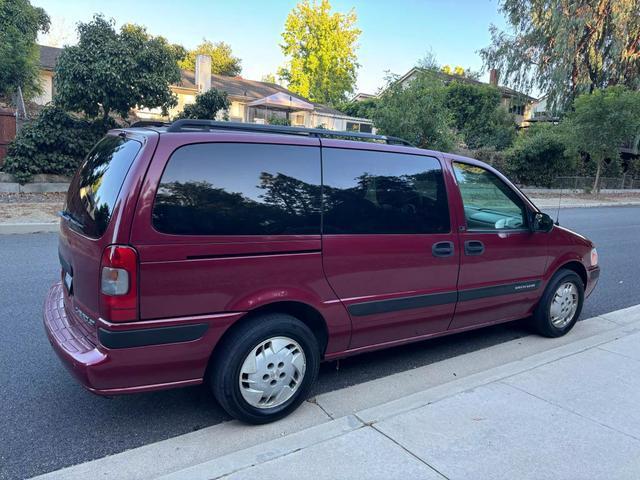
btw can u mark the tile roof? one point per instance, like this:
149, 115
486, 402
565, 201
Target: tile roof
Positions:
248, 90
49, 56
447, 77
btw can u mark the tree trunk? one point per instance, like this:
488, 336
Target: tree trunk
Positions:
596, 183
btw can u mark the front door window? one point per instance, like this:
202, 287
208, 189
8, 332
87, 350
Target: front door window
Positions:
489, 204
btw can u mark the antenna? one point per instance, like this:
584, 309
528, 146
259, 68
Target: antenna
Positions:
559, 202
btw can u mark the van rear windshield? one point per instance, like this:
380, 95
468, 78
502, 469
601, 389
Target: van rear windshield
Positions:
95, 186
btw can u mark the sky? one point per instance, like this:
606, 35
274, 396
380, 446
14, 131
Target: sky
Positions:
395, 34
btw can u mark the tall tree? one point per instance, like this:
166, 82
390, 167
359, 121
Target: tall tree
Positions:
601, 122
479, 116
110, 72
20, 23
320, 45
567, 47
222, 60
417, 112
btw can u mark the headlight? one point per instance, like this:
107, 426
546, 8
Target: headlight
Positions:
594, 257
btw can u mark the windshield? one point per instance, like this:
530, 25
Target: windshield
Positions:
95, 186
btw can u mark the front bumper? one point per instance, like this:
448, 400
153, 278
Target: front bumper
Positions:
134, 356
593, 274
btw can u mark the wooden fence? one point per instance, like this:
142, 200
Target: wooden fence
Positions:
7, 131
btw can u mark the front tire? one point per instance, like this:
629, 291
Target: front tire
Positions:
265, 368
560, 305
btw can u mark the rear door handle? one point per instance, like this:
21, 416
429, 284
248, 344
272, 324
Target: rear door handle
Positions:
442, 249
473, 247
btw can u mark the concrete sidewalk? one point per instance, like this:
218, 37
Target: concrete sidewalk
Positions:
534, 408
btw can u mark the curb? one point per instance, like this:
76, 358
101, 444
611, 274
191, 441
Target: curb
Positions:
18, 228
543, 206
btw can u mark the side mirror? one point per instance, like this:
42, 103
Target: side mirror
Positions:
541, 222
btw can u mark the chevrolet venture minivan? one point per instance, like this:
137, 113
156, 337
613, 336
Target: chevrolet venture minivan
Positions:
244, 255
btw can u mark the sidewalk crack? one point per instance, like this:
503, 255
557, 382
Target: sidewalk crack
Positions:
409, 451
566, 409
604, 348
314, 401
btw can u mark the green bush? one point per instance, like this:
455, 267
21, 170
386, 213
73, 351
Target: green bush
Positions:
273, 120
539, 156
479, 117
55, 143
206, 106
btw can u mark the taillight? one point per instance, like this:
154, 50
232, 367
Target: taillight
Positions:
119, 284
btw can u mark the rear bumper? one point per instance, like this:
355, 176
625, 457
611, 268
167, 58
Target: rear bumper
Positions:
134, 356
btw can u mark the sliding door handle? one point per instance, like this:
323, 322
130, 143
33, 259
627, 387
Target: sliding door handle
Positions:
442, 249
473, 247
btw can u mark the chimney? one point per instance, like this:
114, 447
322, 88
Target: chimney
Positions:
203, 73
493, 77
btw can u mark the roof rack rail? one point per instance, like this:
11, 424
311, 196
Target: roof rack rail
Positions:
149, 123
188, 125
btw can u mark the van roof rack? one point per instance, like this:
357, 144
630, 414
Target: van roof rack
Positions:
149, 123
189, 125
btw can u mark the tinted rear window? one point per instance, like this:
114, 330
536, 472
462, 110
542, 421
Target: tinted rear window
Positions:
240, 189
368, 192
95, 186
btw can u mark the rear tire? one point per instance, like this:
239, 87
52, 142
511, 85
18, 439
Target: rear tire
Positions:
265, 368
560, 305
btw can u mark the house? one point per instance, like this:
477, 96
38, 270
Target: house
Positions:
520, 104
361, 97
48, 59
251, 101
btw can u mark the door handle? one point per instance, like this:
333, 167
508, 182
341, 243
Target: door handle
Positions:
473, 247
442, 249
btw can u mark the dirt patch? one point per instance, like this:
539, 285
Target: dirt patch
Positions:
57, 198
30, 207
29, 212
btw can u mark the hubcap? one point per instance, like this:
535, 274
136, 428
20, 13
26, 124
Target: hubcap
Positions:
272, 372
564, 305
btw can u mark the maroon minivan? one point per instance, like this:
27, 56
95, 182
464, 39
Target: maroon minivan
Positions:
244, 255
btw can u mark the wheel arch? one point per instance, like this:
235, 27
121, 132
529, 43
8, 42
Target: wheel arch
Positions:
304, 312
576, 267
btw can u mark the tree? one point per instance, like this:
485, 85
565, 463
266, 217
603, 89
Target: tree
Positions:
109, 72
269, 78
206, 106
362, 109
222, 60
601, 122
479, 116
567, 47
321, 48
417, 113
539, 155
20, 23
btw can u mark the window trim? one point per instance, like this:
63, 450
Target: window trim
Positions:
520, 200
367, 147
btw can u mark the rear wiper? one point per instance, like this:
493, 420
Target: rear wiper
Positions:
68, 216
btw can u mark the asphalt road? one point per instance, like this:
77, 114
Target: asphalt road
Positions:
48, 421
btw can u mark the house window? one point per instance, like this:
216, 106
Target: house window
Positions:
359, 127
298, 119
517, 109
